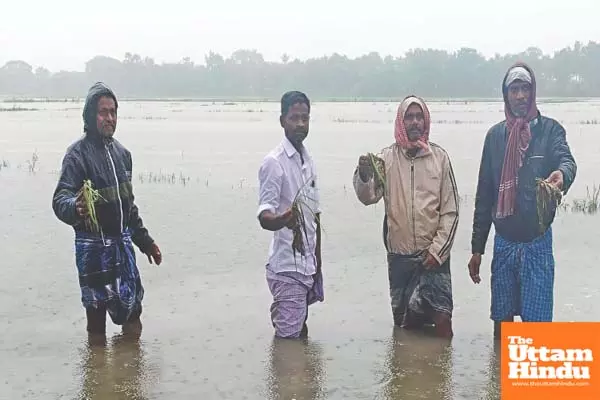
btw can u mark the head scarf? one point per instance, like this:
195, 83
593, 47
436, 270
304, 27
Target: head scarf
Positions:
400, 129
519, 135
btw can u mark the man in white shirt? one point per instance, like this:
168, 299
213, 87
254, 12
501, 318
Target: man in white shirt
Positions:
293, 269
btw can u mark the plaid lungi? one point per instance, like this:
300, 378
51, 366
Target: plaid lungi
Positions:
523, 279
292, 294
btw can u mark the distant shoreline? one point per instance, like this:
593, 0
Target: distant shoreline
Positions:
234, 100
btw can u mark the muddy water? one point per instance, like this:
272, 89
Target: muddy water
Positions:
207, 332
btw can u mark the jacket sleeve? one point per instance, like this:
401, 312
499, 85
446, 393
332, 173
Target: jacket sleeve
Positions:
71, 178
140, 236
449, 211
562, 157
484, 201
365, 191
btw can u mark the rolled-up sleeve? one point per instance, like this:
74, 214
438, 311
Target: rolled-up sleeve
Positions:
270, 176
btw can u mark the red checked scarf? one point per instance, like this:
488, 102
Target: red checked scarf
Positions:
519, 135
400, 129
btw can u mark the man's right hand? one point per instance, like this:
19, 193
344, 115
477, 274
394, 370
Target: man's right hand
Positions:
273, 222
287, 219
365, 170
474, 265
80, 206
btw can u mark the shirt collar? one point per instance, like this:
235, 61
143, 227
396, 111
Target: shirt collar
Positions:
290, 150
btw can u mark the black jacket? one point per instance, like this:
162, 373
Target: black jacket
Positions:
108, 165
548, 151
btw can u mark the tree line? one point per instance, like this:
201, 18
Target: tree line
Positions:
465, 73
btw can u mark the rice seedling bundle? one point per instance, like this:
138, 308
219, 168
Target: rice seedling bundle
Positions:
300, 206
548, 197
378, 166
90, 197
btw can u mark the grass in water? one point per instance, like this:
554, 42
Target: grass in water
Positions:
90, 197
548, 197
299, 207
379, 167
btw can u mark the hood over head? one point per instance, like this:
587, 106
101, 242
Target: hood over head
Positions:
90, 108
520, 71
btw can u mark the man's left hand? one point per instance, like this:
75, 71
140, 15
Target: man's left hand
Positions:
556, 179
154, 253
430, 262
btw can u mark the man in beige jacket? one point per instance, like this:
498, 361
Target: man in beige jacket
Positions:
421, 217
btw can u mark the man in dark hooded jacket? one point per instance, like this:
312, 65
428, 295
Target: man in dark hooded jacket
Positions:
108, 276
524, 148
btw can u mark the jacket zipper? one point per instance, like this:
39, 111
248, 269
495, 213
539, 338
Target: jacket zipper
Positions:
118, 189
412, 189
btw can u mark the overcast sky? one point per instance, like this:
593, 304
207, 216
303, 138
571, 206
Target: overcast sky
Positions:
64, 34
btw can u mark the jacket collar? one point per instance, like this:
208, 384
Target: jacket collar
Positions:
420, 152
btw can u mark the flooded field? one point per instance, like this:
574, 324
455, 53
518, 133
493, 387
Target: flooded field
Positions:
207, 333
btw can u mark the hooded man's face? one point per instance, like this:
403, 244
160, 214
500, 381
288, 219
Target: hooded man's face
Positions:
106, 116
414, 122
519, 96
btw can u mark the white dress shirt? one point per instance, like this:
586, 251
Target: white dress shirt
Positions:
281, 176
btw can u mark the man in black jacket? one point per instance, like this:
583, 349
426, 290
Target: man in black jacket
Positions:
108, 275
526, 146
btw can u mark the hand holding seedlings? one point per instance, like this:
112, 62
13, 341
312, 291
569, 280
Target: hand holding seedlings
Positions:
80, 205
548, 197
86, 205
365, 169
288, 219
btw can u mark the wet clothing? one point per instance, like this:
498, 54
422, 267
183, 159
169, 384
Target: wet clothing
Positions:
295, 280
418, 291
523, 279
108, 274
280, 177
421, 217
547, 151
106, 264
522, 276
421, 203
292, 293
108, 165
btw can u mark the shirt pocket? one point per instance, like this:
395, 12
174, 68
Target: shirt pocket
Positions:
312, 196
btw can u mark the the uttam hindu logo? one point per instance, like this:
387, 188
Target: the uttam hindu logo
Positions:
550, 361
529, 362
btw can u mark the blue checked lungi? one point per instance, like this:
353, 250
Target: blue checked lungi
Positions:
523, 279
108, 274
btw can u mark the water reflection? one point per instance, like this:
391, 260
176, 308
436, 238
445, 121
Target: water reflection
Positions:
492, 388
114, 369
419, 366
296, 370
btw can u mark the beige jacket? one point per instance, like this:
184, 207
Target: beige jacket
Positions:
421, 200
